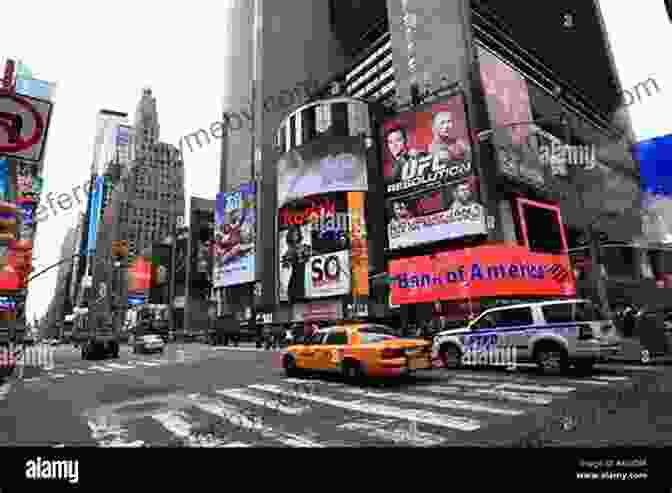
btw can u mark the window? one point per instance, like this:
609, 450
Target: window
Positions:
370, 337
513, 317
572, 312
378, 329
316, 339
337, 338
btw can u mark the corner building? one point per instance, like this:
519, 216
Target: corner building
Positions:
450, 107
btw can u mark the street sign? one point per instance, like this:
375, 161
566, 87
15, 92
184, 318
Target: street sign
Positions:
19, 116
180, 221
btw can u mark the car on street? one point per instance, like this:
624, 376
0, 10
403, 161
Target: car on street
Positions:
148, 343
357, 351
553, 334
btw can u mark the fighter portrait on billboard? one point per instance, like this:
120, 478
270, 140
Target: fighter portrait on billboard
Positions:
427, 148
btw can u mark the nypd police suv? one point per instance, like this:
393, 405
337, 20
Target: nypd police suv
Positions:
552, 334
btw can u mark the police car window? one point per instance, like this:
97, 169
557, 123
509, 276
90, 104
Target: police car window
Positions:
337, 338
486, 322
587, 312
558, 314
514, 317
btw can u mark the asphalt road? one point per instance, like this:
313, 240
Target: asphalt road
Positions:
239, 397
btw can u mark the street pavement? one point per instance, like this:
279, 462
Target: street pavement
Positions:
195, 395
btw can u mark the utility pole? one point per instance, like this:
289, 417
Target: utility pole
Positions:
256, 127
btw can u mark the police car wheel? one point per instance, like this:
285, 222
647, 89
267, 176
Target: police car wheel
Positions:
551, 358
450, 356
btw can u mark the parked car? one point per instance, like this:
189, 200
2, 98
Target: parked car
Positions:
148, 344
357, 351
552, 334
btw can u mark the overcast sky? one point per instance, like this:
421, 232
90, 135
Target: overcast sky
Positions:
104, 55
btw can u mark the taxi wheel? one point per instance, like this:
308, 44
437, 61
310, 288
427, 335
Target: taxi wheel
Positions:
289, 364
352, 371
450, 356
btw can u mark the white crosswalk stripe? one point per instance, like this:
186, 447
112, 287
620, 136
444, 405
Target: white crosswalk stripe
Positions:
117, 366
277, 405
277, 414
147, 363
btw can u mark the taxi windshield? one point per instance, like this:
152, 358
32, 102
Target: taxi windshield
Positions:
371, 337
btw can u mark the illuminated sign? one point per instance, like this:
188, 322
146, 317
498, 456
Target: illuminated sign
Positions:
486, 271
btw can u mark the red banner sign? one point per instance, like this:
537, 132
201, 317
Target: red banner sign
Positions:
486, 271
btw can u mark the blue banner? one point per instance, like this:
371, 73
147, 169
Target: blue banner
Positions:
4, 180
96, 202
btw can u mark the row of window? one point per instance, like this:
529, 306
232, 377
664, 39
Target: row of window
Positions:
560, 314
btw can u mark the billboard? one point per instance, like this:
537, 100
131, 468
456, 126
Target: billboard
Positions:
508, 102
655, 157
359, 253
235, 237
333, 164
452, 211
427, 147
485, 271
139, 276
314, 248
96, 202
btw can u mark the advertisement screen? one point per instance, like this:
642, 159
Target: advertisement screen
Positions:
96, 202
4, 180
452, 211
335, 164
486, 271
508, 102
655, 158
235, 237
314, 248
426, 148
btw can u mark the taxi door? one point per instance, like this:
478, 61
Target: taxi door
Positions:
330, 354
307, 352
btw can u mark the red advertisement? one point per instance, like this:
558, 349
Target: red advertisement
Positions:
486, 271
424, 148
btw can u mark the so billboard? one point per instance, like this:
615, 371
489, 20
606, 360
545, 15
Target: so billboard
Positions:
322, 242
235, 237
431, 185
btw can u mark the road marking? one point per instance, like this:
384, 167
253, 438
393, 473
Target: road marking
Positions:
57, 375
100, 368
467, 383
609, 378
408, 435
117, 366
435, 402
551, 389
31, 380
430, 418
110, 434
276, 405
236, 444
536, 399
235, 417
588, 382
81, 372
147, 363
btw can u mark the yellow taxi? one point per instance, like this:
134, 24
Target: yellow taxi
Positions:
357, 351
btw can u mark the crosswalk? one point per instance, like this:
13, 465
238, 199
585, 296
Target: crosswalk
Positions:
318, 413
107, 368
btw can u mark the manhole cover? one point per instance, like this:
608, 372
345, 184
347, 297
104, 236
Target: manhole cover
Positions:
141, 408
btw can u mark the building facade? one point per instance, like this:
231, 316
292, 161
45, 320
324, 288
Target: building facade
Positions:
441, 113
